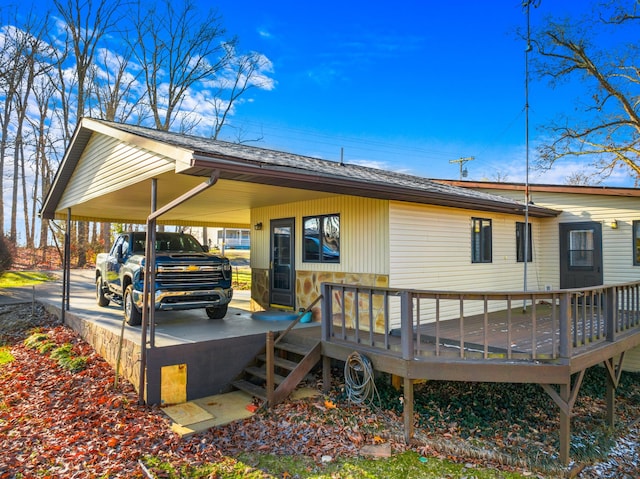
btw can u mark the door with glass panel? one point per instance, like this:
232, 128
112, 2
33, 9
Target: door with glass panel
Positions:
282, 265
580, 254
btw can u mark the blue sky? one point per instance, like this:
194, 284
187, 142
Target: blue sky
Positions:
407, 85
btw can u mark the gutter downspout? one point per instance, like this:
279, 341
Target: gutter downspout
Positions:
149, 292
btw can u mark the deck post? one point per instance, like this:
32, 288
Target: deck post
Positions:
408, 409
327, 298
406, 326
326, 374
610, 313
610, 399
566, 345
565, 425
270, 368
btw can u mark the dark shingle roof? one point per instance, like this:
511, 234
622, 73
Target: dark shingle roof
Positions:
325, 175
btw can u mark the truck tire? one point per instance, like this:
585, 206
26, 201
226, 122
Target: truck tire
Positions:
101, 299
217, 312
131, 313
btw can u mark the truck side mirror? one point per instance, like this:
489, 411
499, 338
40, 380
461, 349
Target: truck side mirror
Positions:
119, 254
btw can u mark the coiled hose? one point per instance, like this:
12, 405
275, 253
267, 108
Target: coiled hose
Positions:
359, 382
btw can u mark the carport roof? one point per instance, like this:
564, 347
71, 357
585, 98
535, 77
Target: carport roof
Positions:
277, 177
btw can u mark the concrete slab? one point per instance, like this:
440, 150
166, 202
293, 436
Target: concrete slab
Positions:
171, 327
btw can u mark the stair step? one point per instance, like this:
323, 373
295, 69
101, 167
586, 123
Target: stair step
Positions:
250, 388
300, 349
280, 362
262, 373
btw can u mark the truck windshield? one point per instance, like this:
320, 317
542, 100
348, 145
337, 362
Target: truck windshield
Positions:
168, 242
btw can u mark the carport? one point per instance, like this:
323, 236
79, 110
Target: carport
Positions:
127, 174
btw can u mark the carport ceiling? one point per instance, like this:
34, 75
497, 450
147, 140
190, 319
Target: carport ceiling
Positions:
227, 203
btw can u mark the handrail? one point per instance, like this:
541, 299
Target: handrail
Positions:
556, 324
297, 320
270, 347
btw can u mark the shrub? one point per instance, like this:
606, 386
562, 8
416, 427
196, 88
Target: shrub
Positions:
6, 255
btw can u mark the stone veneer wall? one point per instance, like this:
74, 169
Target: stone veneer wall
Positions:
105, 343
308, 289
259, 289
308, 285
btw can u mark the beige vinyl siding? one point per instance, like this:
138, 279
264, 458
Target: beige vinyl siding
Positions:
363, 233
617, 244
106, 166
430, 249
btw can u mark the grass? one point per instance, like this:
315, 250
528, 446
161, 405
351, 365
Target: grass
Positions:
254, 465
241, 278
5, 356
15, 279
62, 354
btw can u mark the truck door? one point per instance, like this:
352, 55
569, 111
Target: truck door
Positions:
282, 265
113, 265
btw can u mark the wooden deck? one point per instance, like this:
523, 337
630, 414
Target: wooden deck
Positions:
547, 338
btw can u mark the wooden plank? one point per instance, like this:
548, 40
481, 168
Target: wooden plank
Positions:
250, 388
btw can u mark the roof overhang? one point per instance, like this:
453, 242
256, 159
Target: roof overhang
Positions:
249, 178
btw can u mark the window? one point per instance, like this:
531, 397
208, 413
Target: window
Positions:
581, 246
636, 243
520, 228
481, 240
321, 239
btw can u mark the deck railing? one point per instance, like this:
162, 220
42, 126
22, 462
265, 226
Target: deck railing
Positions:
544, 325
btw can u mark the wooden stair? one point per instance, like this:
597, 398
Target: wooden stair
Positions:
293, 358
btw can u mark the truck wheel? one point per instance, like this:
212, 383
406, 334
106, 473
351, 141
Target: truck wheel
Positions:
131, 313
101, 299
217, 312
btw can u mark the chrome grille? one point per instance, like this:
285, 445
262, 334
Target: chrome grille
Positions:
190, 275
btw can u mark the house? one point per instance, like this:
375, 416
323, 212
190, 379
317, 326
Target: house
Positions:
376, 253
376, 227
606, 220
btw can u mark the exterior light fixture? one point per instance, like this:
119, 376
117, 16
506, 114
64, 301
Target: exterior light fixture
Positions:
258, 226
614, 225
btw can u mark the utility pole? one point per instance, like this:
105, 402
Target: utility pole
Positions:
462, 161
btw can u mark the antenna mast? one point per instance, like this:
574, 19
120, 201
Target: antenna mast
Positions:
527, 5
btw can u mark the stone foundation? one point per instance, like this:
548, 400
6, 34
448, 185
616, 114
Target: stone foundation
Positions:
105, 344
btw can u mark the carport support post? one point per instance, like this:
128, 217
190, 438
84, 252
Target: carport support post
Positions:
149, 292
66, 266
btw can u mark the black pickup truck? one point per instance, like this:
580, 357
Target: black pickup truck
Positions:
187, 276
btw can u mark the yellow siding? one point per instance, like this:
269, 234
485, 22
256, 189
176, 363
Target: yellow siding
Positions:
617, 244
632, 360
108, 165
430, 249
363, 233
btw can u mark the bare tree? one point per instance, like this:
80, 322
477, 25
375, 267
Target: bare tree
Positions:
177, 50
606, 129
21, 64
242, 73
44, 149
12, 67
85, 24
